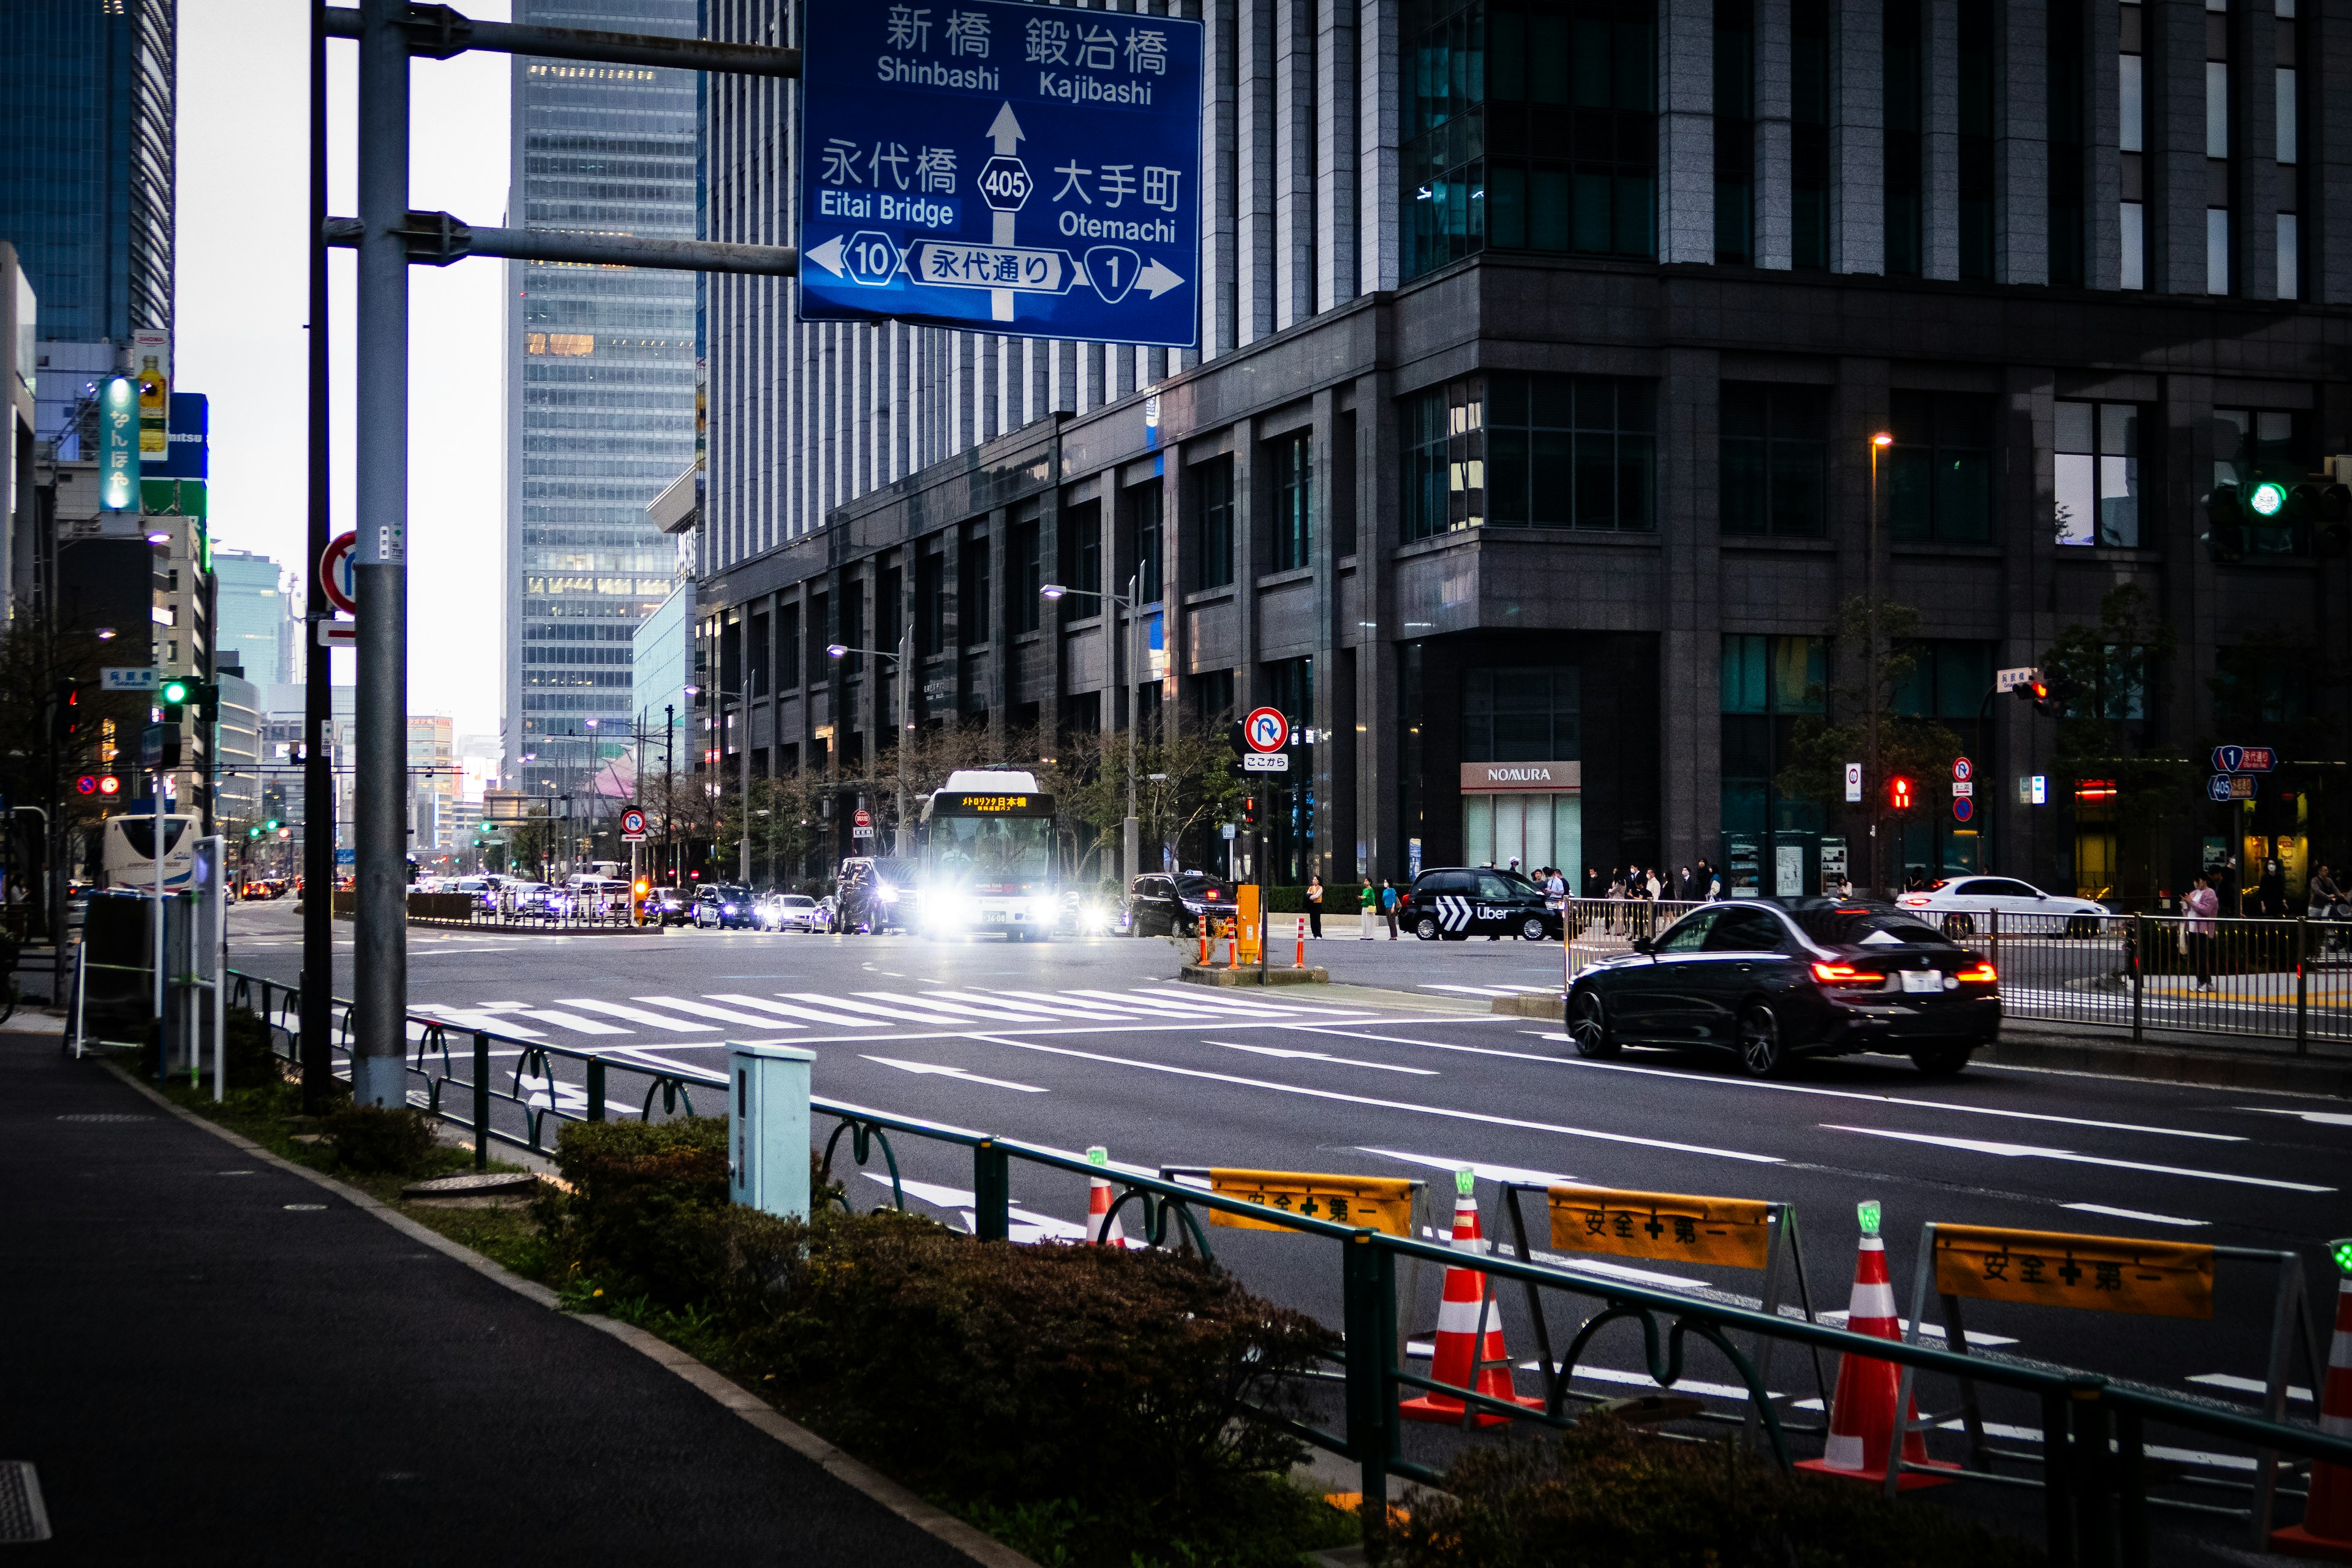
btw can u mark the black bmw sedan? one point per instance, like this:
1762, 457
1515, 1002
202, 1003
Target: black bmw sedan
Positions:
1775, 979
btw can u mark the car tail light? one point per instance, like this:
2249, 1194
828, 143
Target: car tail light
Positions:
1913, 901
1981, 974
1846, 974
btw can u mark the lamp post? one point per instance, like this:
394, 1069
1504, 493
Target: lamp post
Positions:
1129, 831
1878, 443
904, 835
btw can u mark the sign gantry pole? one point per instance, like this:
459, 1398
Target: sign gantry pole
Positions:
318, 670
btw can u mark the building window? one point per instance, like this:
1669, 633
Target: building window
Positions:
788, 648
2066, 134
1025, 576
1522, 715
1940, 469
1976, 165
1950, 679
1775, 460
2131, 269
1768, 686
1079, 566
2286, 121
1212, 696
972, 602
2097, 474
853, 632
1900, 99
1570, 451
1808, 131
755, 661
2217, 109
1212, 501
931, 604
1143, 504
1735, 132
1532, 125
1435, 433
1293, 542
2289, 280
2217, 251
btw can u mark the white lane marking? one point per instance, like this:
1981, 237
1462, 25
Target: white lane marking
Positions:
1026, 1225
1067, 1007
2323, 1118
2237, 1385
1087, 1004
1928, 1330
2038, 1151
877, 1009
1444, 1112
955, 1012
2141, 1214
1321, 1056
2154, 1450
810, 1013
960, 1074
1211, 1004
1644, 1380
1474, 990
705, 1010
1483, 1172
1963, 1109
636, 1015
572, 1021
474, 1019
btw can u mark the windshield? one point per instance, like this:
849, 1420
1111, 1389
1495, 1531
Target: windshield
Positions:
990, 848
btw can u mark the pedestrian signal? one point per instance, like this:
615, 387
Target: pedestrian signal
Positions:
1899, 794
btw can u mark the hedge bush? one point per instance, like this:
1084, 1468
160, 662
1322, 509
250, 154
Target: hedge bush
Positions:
394, 1140
1605, 1495
640, 1191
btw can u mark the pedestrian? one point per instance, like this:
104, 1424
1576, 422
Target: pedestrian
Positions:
1714, 885
1367, 910
1315, 906
2202, 903
2225, 885
1556, 888
2325, 894
1651, 886
1686, 887
2272, 890
1389, 904
1593, 886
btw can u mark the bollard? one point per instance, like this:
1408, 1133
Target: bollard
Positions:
1232, 941
1300, 962
768, 1142
1205, 944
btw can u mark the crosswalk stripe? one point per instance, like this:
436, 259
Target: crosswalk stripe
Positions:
572, 1021
633, 1015
848, 1004
808, 1014
1065, 1007
1186, 1007
724, 1014
954, 1012
472, 1018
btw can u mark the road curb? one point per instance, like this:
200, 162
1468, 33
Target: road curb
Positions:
2028, 1046
927, 1517
1250, 975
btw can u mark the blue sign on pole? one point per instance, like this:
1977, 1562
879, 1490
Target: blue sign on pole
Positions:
1003, 167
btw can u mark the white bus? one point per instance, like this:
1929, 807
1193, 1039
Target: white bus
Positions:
986, 857
128, 856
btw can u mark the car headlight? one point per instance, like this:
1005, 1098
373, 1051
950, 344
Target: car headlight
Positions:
1043, 908
887, 895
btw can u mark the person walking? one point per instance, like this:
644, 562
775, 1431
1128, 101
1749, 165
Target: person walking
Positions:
1389, 904
2272, 895
2203, 904
1315, 906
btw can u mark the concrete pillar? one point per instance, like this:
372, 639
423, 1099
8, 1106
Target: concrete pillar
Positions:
1690, 646
1687, 130
1857, 139
2021, 149
1774, 208
1940, 150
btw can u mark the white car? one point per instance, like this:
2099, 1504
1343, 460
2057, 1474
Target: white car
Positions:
1960, 905
789, 911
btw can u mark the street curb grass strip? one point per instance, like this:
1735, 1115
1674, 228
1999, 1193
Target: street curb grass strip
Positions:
932, 1520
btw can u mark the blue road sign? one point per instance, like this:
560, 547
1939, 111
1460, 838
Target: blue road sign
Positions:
1003, 167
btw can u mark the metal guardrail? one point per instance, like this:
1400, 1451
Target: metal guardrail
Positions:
2283, 986
2095, 1475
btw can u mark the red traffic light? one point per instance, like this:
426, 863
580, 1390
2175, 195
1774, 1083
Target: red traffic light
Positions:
1898, 794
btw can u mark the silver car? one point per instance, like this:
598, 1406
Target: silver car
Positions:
1962, 905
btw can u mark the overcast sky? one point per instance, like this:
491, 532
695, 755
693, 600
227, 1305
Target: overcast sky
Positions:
243, 306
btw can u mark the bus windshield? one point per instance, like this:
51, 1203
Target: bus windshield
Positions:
990, 849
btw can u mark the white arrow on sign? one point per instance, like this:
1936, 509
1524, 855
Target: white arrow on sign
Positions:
959, 1074
1156, 279
1005, 131
828, 256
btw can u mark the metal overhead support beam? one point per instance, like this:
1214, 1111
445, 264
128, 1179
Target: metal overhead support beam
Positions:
436, 239
438, 32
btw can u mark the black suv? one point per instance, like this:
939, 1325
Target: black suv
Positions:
1174, 904
723, 906
1451, 903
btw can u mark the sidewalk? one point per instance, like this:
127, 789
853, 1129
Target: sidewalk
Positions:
211, 1359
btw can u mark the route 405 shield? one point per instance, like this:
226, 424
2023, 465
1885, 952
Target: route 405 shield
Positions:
1003, 167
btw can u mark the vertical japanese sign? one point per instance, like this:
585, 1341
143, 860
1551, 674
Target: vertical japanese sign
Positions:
1003, 166
118, 445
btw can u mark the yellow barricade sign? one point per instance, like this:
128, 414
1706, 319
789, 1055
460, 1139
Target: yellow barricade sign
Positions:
1377, 1203
2103, 1273
1730, 1231
1246, 924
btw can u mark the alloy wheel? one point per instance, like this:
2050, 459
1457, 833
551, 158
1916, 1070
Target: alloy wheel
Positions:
1762, 1053
1588, 1025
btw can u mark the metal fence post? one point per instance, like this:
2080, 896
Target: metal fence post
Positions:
991, 1192
1368, 1314
2302, 985
596, 1089
481, 1100
2139, 973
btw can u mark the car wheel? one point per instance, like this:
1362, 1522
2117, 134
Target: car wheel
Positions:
1762, 1052
1587, 1024
1959, 926
1532, 930
1942, 1061
1426, 929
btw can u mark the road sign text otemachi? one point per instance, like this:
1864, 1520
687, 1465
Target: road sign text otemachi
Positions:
1732, 1232
1378, 1203
2105, 1273
1003, 167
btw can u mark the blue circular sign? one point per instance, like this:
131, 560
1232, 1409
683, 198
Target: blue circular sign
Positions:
1963, 808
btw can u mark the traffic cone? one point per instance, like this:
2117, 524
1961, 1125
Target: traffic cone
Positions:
2326, 1528
1464, 1356
1098, 1203
1862, 1411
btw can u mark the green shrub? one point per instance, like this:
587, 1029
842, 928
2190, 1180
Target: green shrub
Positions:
394, 1140
1609, 1496
637, 1187
247, 1059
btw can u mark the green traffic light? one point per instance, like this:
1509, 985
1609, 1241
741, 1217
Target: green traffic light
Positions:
271, 824
2268, 497
253, 833
2341, 1250
174, 690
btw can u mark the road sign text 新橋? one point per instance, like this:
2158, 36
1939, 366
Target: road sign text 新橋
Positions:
1003, 167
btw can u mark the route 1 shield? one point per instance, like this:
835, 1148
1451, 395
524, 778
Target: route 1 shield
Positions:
1003, 167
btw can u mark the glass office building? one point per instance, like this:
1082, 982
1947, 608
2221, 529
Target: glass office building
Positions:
86, 112
599, 386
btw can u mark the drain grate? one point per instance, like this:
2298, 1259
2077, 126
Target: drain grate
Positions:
22, 1516
107, 1115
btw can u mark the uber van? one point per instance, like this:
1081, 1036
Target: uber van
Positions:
1453, 903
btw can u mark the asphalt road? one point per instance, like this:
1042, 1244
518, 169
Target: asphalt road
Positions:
1074, 1044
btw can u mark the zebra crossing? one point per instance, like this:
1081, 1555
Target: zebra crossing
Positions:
716, 1016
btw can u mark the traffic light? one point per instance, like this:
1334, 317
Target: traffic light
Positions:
1899, 794
65, 711
2317, 510
2047, 699
1249, 811
253, 832
271, 823
2226, 520
175, 691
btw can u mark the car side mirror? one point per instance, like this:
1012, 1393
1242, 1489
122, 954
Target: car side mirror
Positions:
1641, 944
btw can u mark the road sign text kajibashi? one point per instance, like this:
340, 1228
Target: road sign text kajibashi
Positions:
1003, 167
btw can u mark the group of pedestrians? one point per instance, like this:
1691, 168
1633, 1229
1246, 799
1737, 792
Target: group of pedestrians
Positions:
1689, 884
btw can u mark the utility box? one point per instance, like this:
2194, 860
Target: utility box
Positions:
768, 1164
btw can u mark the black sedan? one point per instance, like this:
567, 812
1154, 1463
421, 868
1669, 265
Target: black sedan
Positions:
1775, 979
1456, 903
1175, 904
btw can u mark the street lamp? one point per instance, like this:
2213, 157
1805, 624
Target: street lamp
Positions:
1129, 833
1878, 443
905, 724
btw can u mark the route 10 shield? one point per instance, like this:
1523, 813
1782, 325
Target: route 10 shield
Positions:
1003, 167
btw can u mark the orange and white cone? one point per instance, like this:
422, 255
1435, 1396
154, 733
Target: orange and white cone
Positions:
1098, 1200
1464, 1356
2326, 1528
1863, 1411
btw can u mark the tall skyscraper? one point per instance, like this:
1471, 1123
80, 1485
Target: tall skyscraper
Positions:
86, 165
600, 385
249, 615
